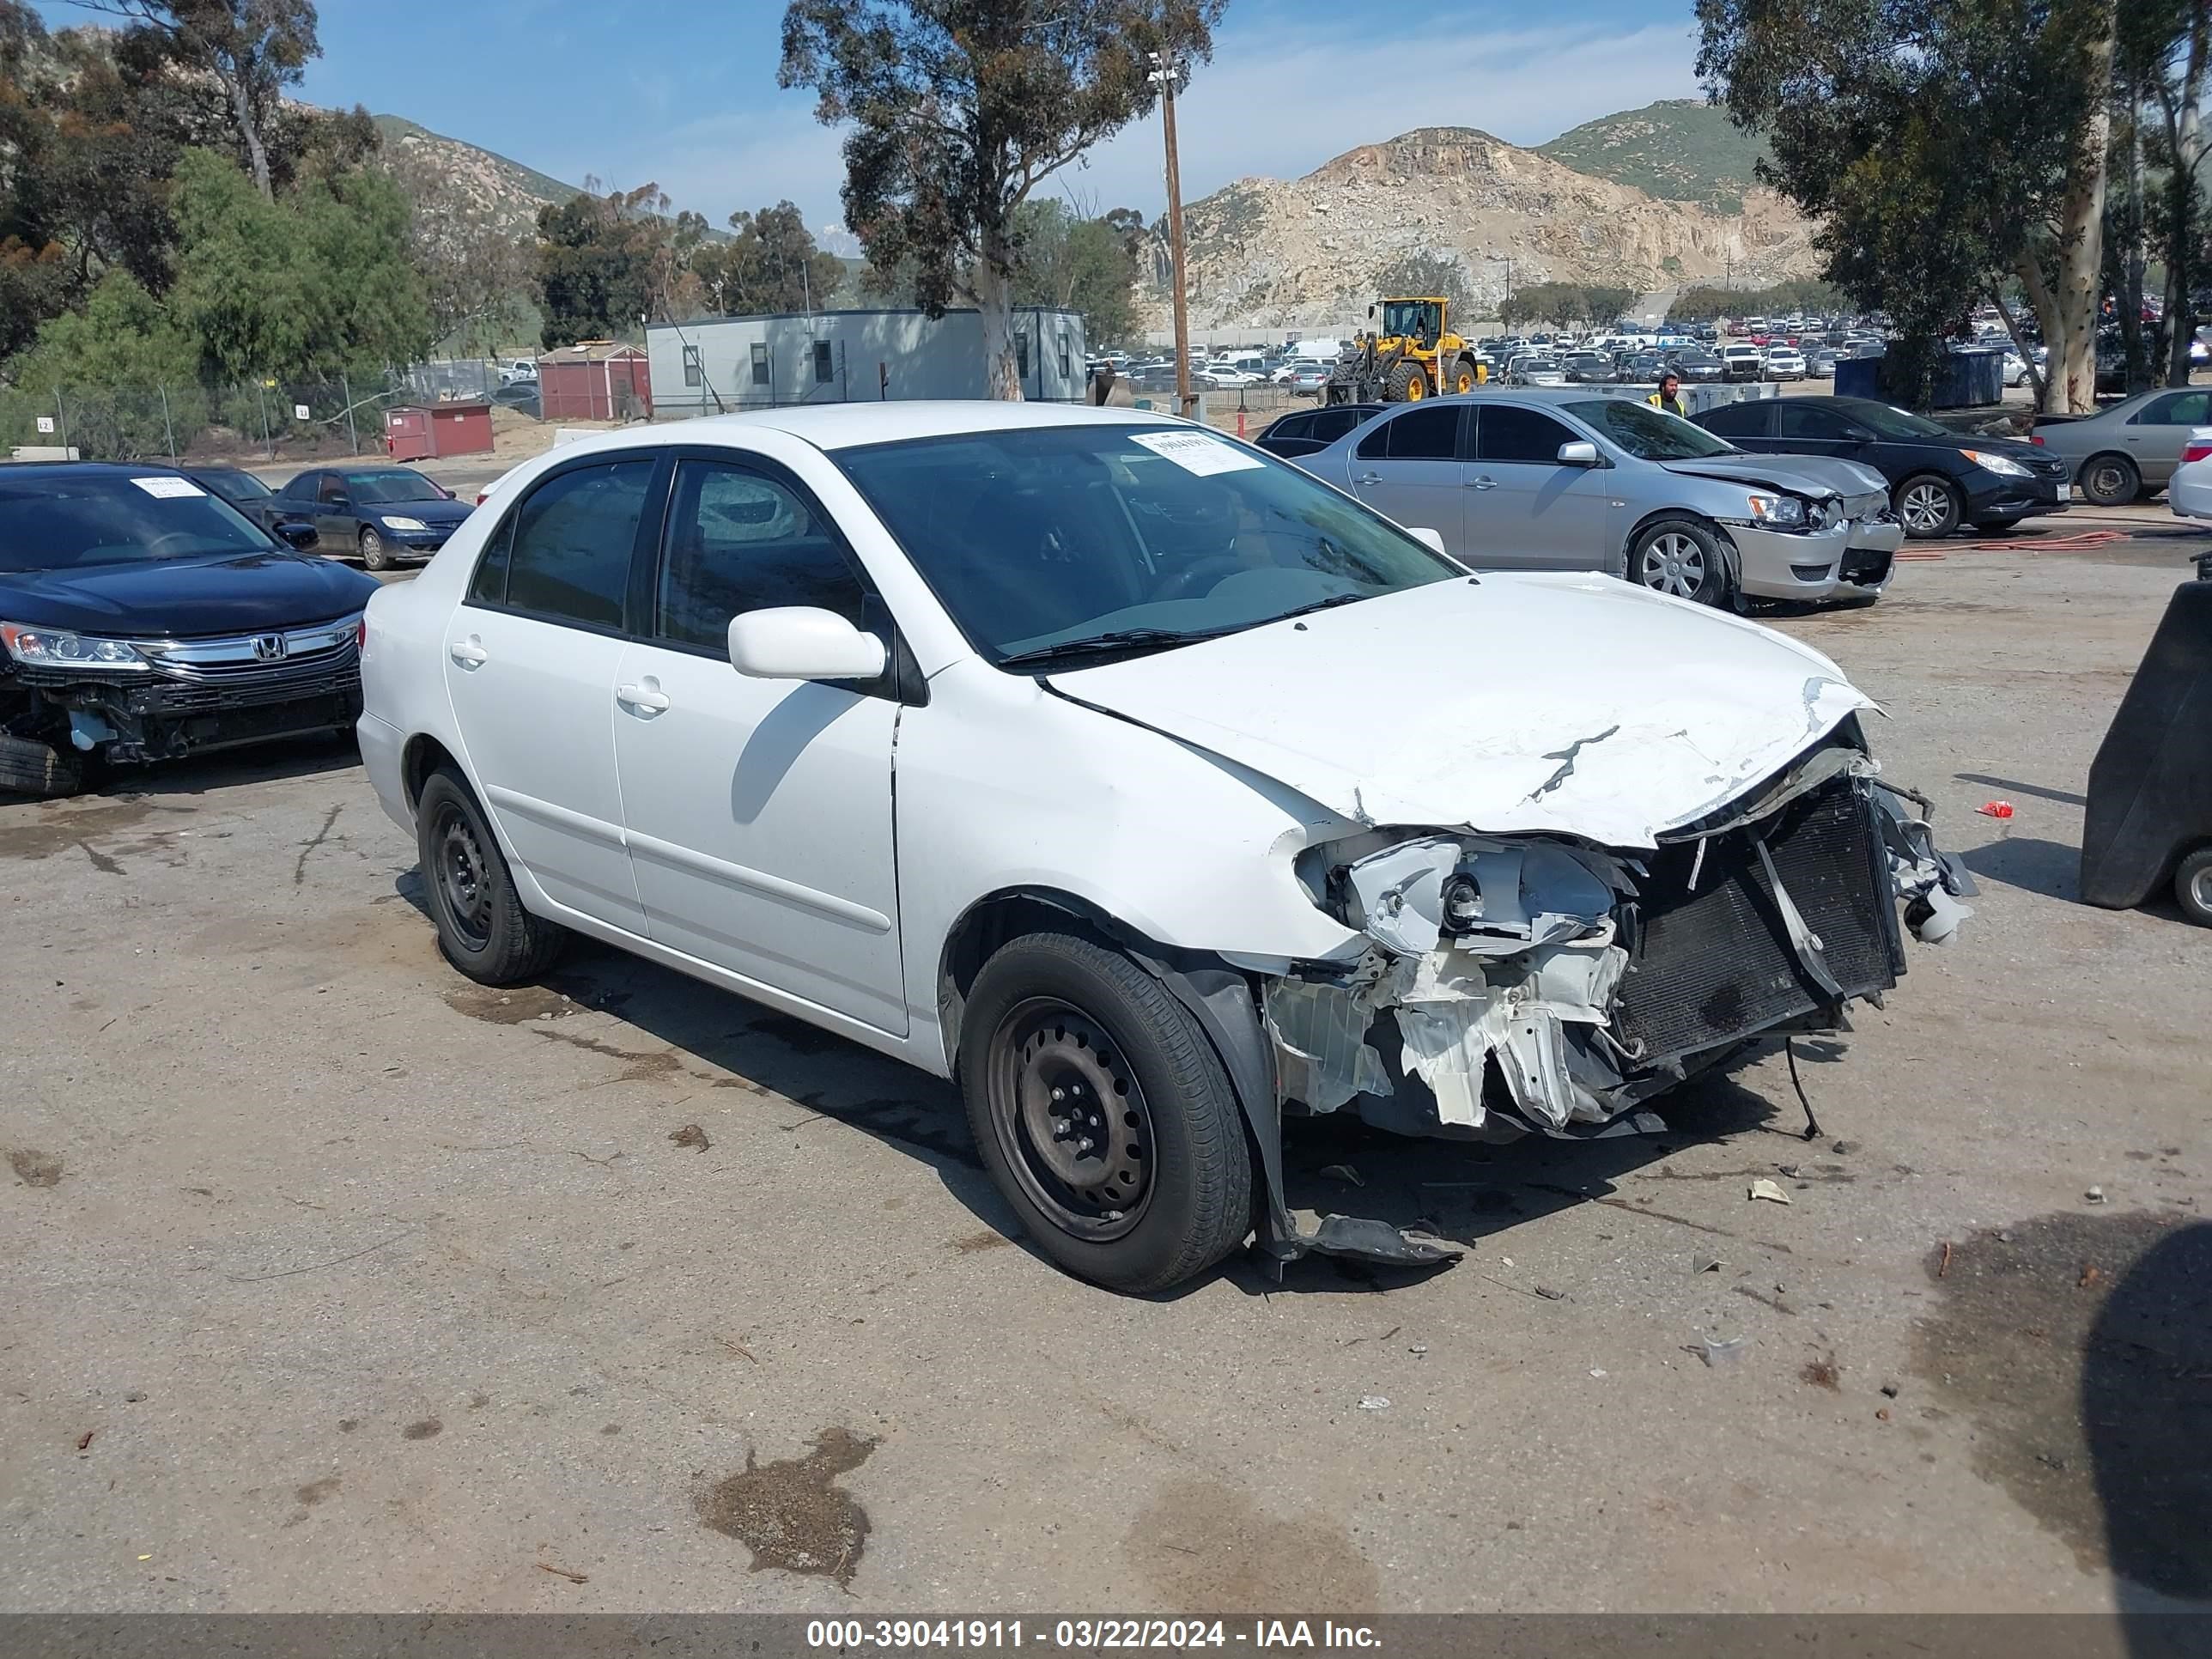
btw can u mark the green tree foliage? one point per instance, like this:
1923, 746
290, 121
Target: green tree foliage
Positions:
239, 55
1704, 303
1085, 265
770, 263
2162, 54
1563, 302
957, 109
1419, 275
105, 371
1941, 146
605, 262
312, 284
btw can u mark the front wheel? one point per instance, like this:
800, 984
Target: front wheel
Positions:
1103, 1115
1408, 384
1681, 557
1930, 507
2192, 886
28, 767
482, 928
374, 554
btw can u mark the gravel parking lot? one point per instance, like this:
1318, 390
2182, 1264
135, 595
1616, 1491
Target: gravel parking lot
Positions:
341, 1283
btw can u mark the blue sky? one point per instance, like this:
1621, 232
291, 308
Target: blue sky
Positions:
684, 92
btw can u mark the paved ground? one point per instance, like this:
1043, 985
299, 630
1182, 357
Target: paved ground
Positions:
338, 1282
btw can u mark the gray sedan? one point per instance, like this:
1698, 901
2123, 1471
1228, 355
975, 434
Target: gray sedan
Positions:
2131, 448
1576, 480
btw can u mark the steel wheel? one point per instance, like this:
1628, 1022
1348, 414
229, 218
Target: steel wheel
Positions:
373, 555
2192, 886
1070, 1116
1673, 563
2110, 481
463, 875
1926, 508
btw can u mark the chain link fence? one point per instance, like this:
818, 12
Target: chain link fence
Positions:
251, 421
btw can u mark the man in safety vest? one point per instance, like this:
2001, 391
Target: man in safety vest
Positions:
1668, 397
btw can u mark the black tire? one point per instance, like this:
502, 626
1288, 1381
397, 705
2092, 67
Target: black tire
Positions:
1464, 378
482, 928
1929, 506
1682, 557
2109, 480
374, 555
2192, 886
1995, 526
1171, 1194
28, 767
1408, 383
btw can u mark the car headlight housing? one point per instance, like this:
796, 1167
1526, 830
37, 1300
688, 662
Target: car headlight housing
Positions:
2003, 465
1777, 511
58, 647
396, 521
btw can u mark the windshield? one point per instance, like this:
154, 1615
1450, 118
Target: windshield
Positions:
235, 486
1409, 317
1889, 422
381, 488
1649, 433
89, 519
1044, 537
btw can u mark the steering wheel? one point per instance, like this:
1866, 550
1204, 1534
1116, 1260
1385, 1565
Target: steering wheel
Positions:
155, 546
1180, 585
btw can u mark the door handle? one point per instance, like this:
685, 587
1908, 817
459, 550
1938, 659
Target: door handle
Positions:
468, 654
1369, 477
1481, 483
644, 699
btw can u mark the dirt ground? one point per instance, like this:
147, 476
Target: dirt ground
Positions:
338, 1282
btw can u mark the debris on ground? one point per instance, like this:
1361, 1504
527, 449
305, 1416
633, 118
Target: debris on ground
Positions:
34, 1168
1374, 1402
690, 1135
1549, 1294
84, 1440
2091, 1275
563, 1572
1995, 809
1717, 1353
1344, 1173
1889, 1390
1417, 1349
1845, 1148
1821, 1371
1594, 1372
1704, 1264
2094, 1195
1766, 1189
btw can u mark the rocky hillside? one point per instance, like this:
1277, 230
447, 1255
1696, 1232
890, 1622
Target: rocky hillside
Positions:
1681, 149
450, 179
1265, 253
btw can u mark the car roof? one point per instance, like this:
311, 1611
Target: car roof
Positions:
847, 426
95, 469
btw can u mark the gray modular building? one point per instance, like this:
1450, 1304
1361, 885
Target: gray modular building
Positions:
713, 365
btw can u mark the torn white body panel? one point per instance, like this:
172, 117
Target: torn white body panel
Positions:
1579, 706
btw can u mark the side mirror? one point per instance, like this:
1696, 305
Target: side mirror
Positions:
1433, 540
802, 642
1580, 453
296, 534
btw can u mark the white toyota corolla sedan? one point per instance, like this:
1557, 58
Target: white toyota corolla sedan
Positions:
1146, 785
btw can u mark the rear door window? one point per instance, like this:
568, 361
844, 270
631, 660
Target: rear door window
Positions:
1506, 432
573, 538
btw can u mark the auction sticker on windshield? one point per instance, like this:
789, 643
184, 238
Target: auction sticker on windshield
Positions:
1197, 452
169, 488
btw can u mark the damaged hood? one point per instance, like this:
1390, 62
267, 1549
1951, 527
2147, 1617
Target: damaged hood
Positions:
1807, 475
1569, 703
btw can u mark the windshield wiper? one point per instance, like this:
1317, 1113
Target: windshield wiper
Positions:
1328, 603
1120, 640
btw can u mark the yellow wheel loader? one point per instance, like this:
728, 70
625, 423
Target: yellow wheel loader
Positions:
1410, 354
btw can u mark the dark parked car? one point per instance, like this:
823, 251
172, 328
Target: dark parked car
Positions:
1590, 368
257, 501
382, 512
142, 617
1311, 429
1938, 479
521, 395
1697, 367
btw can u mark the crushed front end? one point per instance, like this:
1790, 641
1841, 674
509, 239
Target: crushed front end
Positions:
1537, 983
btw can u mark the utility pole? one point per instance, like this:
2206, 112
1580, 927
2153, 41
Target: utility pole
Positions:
1163, 72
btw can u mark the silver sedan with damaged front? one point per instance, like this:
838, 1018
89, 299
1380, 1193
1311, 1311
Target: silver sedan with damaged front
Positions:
1219, 799
1576, 480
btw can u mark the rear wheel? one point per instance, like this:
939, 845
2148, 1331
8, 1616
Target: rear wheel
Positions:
28, 767
374, 555
1408, 384
1681, 557
2192, 886
1103, 1115
482, 927
1930, 507
2109, 481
